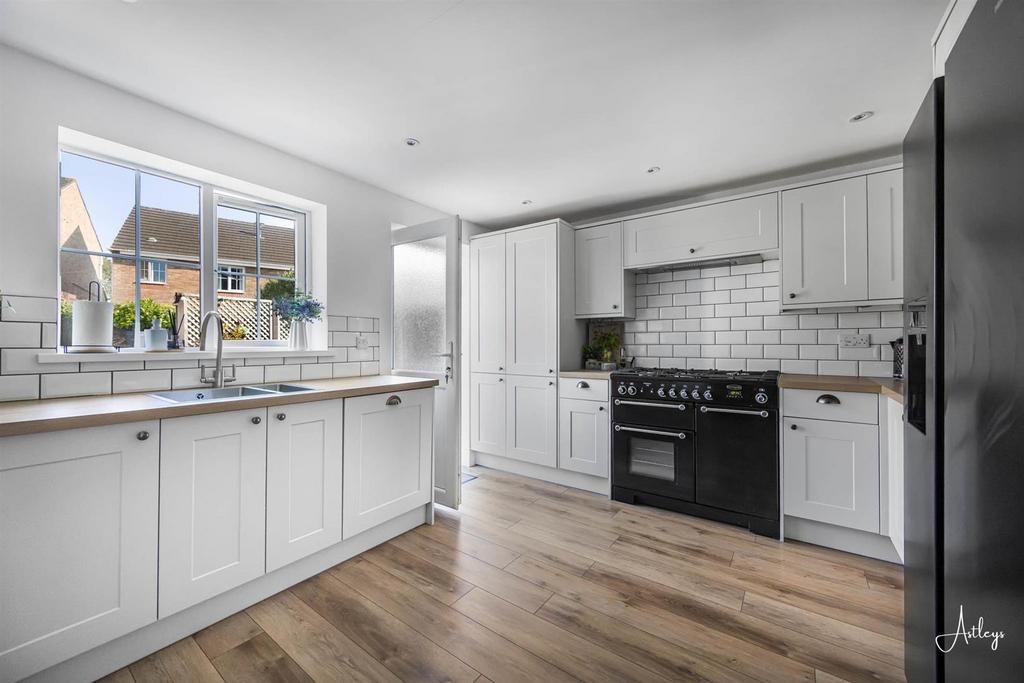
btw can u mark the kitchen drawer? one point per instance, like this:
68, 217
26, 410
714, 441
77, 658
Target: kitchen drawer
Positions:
583, 388
821, 405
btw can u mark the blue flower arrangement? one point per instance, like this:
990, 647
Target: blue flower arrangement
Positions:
299, 308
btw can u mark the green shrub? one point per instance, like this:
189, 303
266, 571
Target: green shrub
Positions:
124, 314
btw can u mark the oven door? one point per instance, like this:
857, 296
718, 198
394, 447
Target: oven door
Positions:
650, 460
668, 415
737, 463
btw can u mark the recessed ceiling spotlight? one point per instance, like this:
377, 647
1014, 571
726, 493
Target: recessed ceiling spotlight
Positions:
526, 201
412, 142
129, 2
653, 169
857, 118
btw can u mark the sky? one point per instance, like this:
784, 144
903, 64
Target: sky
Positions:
109, 194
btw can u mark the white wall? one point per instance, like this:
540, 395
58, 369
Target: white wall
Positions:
36, 97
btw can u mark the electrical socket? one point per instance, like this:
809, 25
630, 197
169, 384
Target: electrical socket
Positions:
855, 341
361, 341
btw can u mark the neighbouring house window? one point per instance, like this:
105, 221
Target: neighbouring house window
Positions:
232, 278
133, 237
154, 272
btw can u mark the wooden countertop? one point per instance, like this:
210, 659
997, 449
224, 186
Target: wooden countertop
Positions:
586, 374
49, 415
886, 386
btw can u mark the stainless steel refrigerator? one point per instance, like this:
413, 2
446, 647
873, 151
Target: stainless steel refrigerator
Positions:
964, 346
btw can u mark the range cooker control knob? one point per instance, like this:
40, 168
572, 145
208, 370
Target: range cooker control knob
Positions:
622, 389
672, 392
761, 398
707, 394
631, 391
695, 394
661, 392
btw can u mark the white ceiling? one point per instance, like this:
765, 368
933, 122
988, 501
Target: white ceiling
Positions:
562, 102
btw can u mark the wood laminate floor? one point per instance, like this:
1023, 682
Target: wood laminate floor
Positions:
531, 581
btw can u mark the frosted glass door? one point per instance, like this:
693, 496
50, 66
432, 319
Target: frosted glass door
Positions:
420, 305
424, 332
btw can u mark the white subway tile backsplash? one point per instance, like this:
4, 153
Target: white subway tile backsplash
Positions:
885, 335
249, 374
730, 310
659, 326
638, 338
715, 271
837, 367
685, 325
659, 277
771, 266
645, 290
748, 323
817, 321
690, 274
818, 352
77, 384
29, 309
659, 350
674, 287
701, 363
715, 324
800, 367
781, 322
366, 354
763, 280
731, 282
746, 295
862, 353
346, 369
892, 319
685, 350
760, 364
731, 337
747, 269
23, 362
859, 319
672, 338
700, 337
361, 324
171, 364
185, 378
20, 335
689, 299
700, 311
366, 369
715, 351
747, 351
875, 369
719, 296
317, 370
763, 308
702, 285
730, 364
337, 323
781, 351
636, 326
799, 336
764, 337
19, 387
282, 373
127, 381
659, 300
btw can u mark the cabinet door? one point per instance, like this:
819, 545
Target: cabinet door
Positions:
487, 413
831, 472
885, 235
213, 473
303, 480
388, 457
487, 303
531, 313
531, 420
740, 226
583, 436
599, 274
824, 243
78, 541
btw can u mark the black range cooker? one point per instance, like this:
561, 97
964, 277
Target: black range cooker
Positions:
702, 442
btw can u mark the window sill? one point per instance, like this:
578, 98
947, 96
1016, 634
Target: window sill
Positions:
135, 355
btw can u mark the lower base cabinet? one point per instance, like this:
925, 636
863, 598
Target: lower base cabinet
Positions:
304, 470
831, 472
213, 477
583, 439
487, 397
78, 541
531, 420
388, 466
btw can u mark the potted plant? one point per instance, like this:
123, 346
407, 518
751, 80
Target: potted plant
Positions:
298, 309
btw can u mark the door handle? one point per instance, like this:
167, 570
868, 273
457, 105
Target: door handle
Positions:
393, 401
582, 385
828, 399
759, 413
650, 404
678, 435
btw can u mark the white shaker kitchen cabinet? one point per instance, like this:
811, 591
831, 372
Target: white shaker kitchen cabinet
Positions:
388, 461
583, 439
531, 420
603, 288
825, 243
78, 541
304, 456
740, 226
885, 235
531, 304
213, 471
487, 413
831, 472
487, 303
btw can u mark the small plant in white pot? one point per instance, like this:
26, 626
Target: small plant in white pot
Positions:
299, 310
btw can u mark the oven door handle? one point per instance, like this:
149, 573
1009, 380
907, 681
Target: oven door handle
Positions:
759, 413
650, 404
678, 435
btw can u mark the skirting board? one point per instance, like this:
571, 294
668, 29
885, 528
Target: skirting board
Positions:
550, 474
129, 648
848, 540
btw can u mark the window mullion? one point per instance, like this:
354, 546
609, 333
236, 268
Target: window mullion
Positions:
256, 296
138, 259
208, 251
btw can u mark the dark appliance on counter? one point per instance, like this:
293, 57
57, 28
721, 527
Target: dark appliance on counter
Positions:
702, 442
963, 455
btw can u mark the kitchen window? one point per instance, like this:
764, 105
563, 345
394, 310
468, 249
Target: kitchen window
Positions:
134, 237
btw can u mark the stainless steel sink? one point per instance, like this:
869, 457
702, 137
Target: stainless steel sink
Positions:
283, 388
204, 395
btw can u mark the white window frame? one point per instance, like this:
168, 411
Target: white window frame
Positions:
149, 268
230, 273
210, 195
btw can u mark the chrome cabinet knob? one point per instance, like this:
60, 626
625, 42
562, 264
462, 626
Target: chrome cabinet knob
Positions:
582, 385
257, 420
281, 417
142, 436
828, 399
692, 250
792, 295
793, 427
615, 307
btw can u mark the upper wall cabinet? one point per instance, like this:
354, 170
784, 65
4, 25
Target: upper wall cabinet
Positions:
603, 288
885, 235
487, 303
842, 242
741, 226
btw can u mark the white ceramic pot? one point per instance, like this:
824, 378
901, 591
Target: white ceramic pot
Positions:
298, 337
